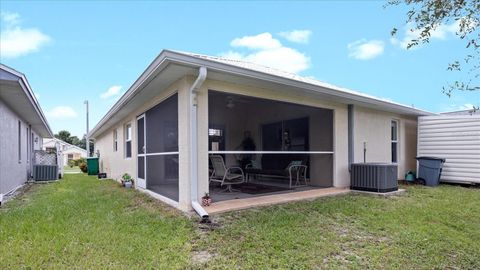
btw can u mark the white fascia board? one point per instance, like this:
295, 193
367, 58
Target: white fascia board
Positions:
23, 82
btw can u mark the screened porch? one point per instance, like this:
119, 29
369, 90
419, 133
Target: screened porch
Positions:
262, 147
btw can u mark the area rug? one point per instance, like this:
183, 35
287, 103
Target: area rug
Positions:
254, 188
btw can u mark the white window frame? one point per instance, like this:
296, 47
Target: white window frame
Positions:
27, 144
128, 138
115, 140
19, 141
392, 141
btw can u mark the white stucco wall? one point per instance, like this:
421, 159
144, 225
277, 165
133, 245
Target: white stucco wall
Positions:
14, 171
374, 128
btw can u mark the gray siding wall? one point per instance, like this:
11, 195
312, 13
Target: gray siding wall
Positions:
455, 138
14, 171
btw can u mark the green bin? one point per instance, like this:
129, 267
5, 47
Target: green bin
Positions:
92, 165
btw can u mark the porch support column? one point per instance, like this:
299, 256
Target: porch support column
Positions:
351, 139
184, 144
341, 175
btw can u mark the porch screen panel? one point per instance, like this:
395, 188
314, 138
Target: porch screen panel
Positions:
162, 148
162, 175
272, 136
162, 126
141, 167
140, 135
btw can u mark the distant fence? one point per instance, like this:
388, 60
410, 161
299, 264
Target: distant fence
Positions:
45, 166
45, 158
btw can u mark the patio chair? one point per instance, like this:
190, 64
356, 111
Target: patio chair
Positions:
225, 176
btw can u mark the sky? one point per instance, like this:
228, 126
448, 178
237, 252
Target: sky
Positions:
79, 50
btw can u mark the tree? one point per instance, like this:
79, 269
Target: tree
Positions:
75, 141
427, 16
64, 136
83, 143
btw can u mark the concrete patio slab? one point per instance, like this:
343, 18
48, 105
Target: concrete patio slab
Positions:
239, 204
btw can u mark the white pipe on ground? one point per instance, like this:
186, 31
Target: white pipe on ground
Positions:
202, 75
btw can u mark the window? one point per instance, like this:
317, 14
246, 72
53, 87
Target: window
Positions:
214, 132
27, 145
394, 135
19, 142
115, 140
70, 157
128, 141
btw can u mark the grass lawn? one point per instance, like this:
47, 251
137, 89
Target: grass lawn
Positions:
69, 169
81, 222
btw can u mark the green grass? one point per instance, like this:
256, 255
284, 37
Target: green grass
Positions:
81, 222
71, 169
429, 228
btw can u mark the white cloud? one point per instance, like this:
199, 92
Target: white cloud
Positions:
441, 32
297, 36
261, 41
62, 112
15, 40
111, 92
10, 18
365, 50
265, 50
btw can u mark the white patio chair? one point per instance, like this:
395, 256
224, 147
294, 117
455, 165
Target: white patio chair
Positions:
223, 175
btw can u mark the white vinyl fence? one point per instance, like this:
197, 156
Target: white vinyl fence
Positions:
455, 138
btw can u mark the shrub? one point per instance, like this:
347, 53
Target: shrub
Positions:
71, 163
79, 161
126, 177
83, 167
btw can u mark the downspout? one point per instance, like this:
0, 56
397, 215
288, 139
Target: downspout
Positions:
202, 75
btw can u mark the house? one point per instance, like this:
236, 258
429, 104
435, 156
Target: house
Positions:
22, 127
67, 151
455, 137
186, 108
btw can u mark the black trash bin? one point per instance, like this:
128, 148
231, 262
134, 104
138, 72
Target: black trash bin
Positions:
430, 169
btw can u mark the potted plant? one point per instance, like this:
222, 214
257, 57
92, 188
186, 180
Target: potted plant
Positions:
206, 200
127, 180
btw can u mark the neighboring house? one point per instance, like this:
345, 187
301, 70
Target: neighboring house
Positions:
67, 151
186, 107
22, 127
454, 137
